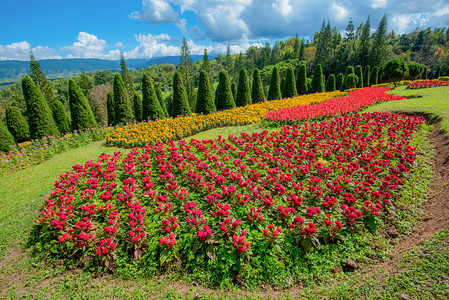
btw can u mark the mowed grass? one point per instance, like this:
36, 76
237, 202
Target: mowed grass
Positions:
434, 102
423, 274
21, 193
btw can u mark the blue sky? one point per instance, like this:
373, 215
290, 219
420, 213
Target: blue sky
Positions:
151, 28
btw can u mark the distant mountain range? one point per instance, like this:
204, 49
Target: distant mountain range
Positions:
13, 70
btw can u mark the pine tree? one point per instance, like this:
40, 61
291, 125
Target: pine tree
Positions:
243, 92
374, 75
359, 73
151, 107
122, 110
339, 81
224, 100
234, 90
274, 92
185, 68
17, 125
317, 81
60, 117
290, 84
257, 93
366, 76
6, 138
180, 103
80, 109
206, 63
228, 61
37, 74
205, 103
349, 33
379, 50
302, 52
137, 99
126, 76
296, 47
365, 44
324, 47
40, 119
161, 101
110, 105
301, 83
330, 84
47, 91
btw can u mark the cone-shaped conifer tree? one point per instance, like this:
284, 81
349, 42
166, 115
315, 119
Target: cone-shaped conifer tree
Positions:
80, 109
243, 92
317, 81
60, 116
301, 83
274, 92
151, 108
122, 110
180, 103
205, 103
257, 93
40, 120
17, 125
224, 100
330, 84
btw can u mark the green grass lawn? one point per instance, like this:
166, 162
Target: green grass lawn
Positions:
434, 103
423, 273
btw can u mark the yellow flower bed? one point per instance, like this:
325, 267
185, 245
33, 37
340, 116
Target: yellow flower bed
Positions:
150, 132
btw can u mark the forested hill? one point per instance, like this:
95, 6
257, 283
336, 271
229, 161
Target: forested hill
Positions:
13, 70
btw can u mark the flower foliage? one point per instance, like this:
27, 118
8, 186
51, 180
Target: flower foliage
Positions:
177, 128
238, 200
354, 101
426, 84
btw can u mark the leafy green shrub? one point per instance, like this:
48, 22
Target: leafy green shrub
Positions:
17, 125
6, 138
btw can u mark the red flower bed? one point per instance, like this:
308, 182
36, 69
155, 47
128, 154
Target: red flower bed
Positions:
426, 84
219, 200
355, 101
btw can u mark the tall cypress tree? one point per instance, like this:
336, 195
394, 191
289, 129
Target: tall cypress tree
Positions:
126, 76
161, 101
40, 119
274, 92
151, 108
359, 73
60, 117
123, 112
137, 99
185, 67
366, 76
301, 83
80, 109
330, 84
302, 52
17, 124
379, 50
6, 138
290, 84
317, 81
339, 81
257, 93
110, 105
205, 103
243, 92
379, 75
349, 71
206, 62
373, 77
224, 100
180, 103
234, 90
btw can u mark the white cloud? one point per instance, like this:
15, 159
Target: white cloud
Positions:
151, 47
119, 44
156, 12
341, 13
378, 4
90, 46
283, 6
21, 51
182, 26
